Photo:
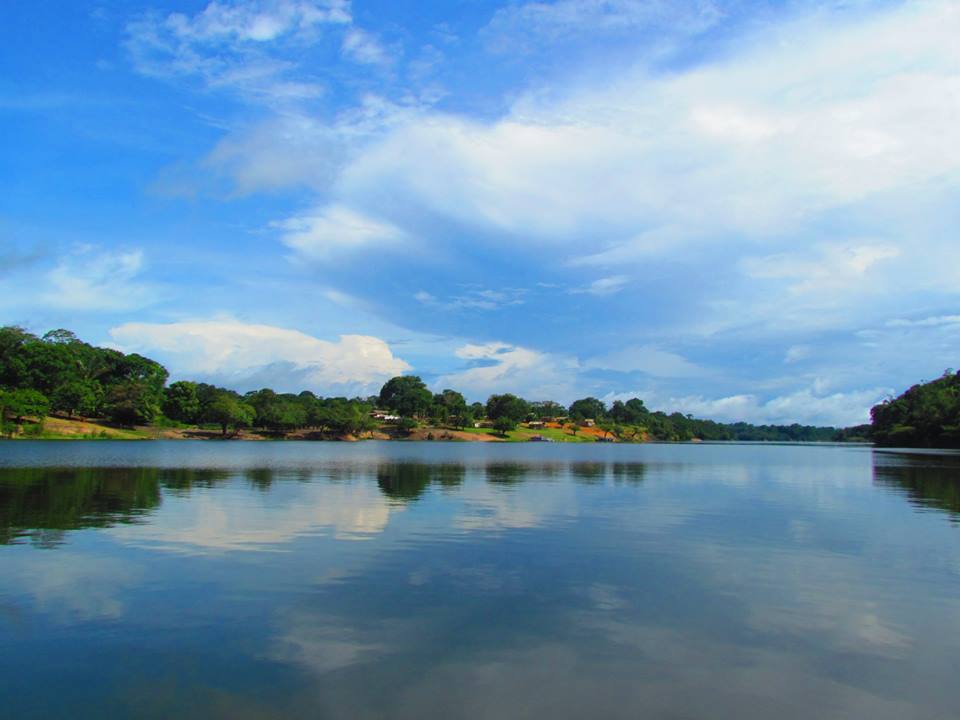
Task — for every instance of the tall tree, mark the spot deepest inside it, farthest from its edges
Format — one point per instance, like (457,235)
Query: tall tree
(406,395)
(588,408)
(509,406)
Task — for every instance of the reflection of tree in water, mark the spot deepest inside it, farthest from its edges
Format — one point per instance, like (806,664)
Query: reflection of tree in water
(260,478)
(408,480)
(588,472)
(507,473)
(928,480)
(450,475)
(44,503)
(185,479)
(629,472)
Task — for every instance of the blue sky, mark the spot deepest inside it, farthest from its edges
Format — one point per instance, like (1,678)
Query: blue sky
(739,210)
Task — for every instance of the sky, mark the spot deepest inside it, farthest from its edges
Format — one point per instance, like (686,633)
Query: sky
(739,210)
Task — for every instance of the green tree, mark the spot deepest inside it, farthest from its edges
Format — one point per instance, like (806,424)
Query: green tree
(132,402)
(406,395)
(465,419)
(14,371)
(406,425)
(77,397)
(588,408)
(227,410)
(504,424)
(448,406)
(22,403)
(547,409)
(181,402)
(509,406)
(925,415)
(278,413)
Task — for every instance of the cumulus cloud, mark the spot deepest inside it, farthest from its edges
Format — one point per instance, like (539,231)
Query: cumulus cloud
(500,367)
(245,355)
(777,180)
(831,115)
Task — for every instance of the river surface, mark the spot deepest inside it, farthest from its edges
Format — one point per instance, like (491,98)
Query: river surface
(467,580)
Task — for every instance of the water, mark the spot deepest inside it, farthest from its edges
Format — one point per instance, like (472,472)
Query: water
(413,580)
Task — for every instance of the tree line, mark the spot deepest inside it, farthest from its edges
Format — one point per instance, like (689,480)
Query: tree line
(60,374)
(925,415)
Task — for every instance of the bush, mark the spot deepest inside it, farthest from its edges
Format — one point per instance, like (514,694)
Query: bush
(504,424)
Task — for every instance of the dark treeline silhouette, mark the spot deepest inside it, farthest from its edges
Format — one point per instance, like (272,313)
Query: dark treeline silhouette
(62,375)
(927,480)
(926,415)
(43,503)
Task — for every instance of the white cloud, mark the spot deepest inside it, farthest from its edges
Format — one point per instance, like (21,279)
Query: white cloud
(474,299)
(237,353)
(830,267)
(219,522)
(522,26)
(256,20)
(89,280)
(819,116)
(233,44)
(322,644)
(935,321)
(333,228)
(648,359)
(807,406)
(363,47)
(71,586)
(508,368)
(604,286)
(796,353)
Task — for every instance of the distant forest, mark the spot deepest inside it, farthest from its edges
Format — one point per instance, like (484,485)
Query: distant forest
(58,374)
(926,415)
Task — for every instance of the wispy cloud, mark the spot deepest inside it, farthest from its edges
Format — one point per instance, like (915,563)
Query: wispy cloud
(326,231)
(364,47)
(604,286)
(235,45)
(474,299)
(647,359)
(526,26)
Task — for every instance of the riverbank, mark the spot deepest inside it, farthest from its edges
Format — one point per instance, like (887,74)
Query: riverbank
(58,428)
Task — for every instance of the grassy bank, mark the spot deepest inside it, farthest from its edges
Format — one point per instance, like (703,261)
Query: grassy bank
(56,428)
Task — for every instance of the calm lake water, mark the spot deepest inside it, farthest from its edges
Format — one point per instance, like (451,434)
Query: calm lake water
(419,580)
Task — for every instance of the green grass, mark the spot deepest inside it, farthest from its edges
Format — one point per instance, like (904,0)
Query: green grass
(523,434)
(112,434)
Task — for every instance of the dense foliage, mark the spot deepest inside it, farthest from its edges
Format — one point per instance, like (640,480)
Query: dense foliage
(60,374)
(926,415)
